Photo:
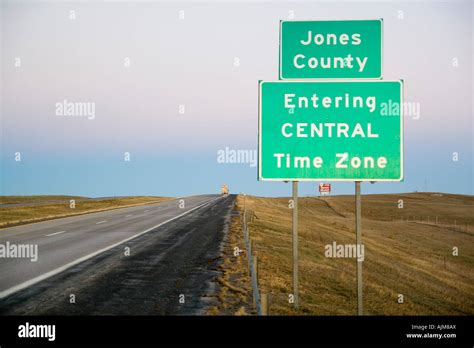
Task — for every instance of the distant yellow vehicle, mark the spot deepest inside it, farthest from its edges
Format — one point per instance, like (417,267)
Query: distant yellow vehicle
(225,190)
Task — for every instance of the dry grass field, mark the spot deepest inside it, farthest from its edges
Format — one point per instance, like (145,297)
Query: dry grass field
(36,199)
(18,214)
(408,251)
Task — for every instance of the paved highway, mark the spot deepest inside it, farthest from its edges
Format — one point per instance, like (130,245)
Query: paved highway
(81,243)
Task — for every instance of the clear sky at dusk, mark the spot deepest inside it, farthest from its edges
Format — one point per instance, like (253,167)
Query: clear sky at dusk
(174,83)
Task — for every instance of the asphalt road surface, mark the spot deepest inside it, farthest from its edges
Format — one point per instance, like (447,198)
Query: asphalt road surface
(152,259)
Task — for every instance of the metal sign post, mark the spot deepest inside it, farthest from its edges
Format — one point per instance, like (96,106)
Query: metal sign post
(295,243)
(358,218)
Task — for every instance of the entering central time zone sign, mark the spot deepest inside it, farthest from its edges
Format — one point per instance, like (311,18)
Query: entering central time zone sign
(325,130)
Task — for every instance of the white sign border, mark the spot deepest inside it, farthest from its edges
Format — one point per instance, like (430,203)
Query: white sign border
(261,178)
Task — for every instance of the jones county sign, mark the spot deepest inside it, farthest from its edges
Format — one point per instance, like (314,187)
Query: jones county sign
(331,49)
(341,131)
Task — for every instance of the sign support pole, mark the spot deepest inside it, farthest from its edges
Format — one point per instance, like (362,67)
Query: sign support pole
(295,244)
(358,219)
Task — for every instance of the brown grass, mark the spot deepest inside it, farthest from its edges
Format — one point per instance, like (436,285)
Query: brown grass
(18,215)
(413,258)
(36,199)
(235,293)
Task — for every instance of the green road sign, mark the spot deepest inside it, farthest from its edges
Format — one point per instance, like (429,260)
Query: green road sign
(325,130)
(331,49)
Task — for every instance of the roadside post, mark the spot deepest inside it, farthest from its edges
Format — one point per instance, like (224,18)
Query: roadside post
(358,217)
(295,244)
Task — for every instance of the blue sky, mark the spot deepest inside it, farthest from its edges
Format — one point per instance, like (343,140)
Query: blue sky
(188,64)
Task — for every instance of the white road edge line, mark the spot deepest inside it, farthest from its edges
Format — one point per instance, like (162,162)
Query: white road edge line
(55,233)
(100,222)
(46,275)
(128,215)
